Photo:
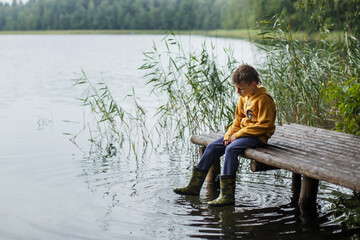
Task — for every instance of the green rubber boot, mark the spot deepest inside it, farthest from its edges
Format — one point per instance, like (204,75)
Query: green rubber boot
(227,191)
(196,181)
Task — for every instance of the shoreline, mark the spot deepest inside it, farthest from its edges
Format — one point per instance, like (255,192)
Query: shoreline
(237,34)
(220,33)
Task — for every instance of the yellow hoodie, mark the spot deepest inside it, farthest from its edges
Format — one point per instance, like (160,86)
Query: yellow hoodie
(254,116)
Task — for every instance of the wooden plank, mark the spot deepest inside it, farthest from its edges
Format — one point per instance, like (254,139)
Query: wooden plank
(331,166)
(334,142)
(283,158)
(317,131)
(333,145)
(326,136)
(318,150)
(300,141)
(319,154)
(307,168)
(201,140)
(330,138)
(256,166)
(338,160)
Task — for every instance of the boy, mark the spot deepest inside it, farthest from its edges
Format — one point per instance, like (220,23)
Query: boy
(253,125)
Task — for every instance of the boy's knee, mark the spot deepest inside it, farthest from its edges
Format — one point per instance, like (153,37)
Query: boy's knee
(233,150)
(229,149)
(210,147)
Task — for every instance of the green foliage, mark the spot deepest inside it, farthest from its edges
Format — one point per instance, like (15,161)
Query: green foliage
(200,95)
(325,15)
(313,83)
(347,210)
(294,75)
(111,14)
(344,88)
(346,99)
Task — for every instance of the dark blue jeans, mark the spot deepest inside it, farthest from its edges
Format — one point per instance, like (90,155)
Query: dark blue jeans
(216,149)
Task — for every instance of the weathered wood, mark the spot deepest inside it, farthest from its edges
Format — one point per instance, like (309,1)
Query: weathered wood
(292,146)
(326,163)
(317,133)
(309,189)
(296,182)
(336,147)
(202,140)
(313,161)
(295,187)
(333,146)
(302,141)
(258,167)
(330,161)
(313,152)
(310,168)
(326,142)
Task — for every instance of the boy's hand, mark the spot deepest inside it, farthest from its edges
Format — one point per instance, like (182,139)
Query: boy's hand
(231,139)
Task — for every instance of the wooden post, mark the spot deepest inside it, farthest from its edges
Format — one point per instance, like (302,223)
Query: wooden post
(256,166)
(308,193)
(295,187)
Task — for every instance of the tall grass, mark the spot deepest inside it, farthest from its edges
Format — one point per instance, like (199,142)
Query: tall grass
(110,126)
(199,92)
(314,83)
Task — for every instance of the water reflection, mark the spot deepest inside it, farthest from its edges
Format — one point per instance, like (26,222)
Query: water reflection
(246,221)
(266,206)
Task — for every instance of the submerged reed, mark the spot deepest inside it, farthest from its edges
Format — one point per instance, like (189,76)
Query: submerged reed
(110,126)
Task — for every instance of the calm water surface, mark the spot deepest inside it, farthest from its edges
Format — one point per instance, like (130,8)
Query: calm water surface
(52,188)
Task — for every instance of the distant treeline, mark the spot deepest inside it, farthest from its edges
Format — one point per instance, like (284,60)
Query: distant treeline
(170,14)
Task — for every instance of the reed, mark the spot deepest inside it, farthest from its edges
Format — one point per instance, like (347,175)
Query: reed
(109,125)
(199,92)
(314,83)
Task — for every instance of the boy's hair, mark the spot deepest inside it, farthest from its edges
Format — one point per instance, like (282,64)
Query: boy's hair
(247,74)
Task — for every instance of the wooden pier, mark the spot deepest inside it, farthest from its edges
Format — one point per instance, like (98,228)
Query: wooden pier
(313,153)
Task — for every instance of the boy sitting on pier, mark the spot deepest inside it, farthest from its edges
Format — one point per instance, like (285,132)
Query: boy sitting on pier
(253,125)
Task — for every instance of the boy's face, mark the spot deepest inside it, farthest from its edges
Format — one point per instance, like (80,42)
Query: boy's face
(244,89)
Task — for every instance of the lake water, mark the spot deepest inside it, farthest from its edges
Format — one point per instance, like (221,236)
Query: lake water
(53,188)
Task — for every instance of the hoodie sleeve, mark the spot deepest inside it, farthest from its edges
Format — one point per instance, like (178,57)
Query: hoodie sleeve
(235,127)
(265,119)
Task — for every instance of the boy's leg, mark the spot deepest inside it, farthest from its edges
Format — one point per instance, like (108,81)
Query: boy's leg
(236,148)
(231,164)
(212,153)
